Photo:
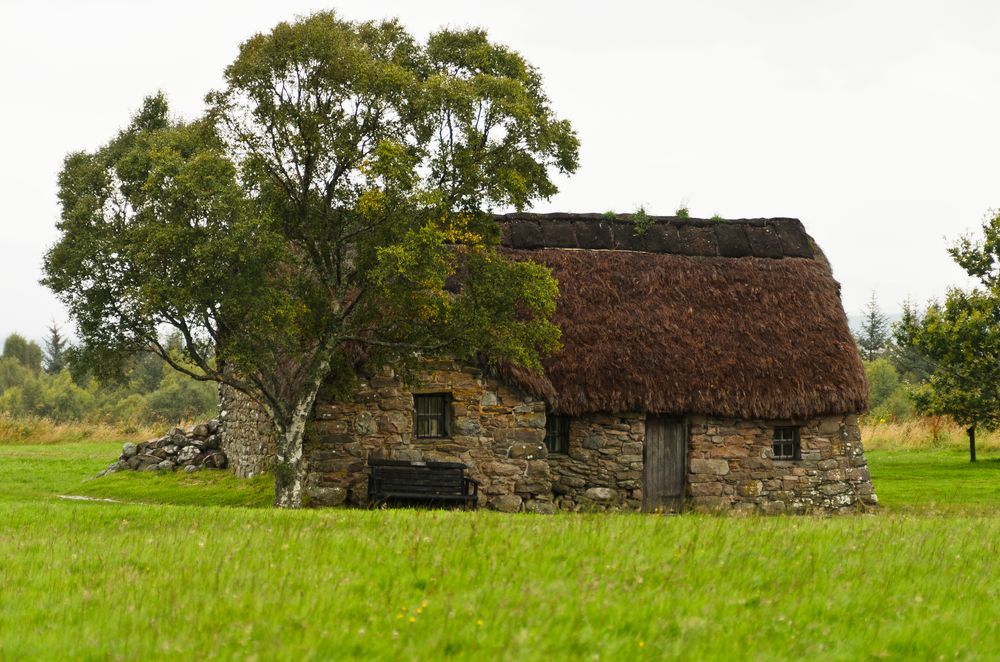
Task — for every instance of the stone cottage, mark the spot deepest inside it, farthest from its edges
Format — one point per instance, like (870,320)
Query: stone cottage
(705,364)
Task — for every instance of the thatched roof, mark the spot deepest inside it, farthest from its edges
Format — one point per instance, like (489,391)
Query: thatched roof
(730,318)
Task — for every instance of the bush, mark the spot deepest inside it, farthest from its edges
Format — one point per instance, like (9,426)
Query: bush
(180,398)
(12,373)
(149,393)
(888,398)
(897,406)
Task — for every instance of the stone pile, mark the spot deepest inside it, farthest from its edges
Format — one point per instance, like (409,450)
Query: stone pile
(194,449)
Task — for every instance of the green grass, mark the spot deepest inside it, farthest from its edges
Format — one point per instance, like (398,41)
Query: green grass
(931,481)
(47,471)
(169,578)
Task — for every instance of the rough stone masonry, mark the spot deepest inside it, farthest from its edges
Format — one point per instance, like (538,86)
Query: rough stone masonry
(498,433)
(190,450)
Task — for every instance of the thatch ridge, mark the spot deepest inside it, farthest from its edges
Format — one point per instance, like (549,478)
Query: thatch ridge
(757,237)
(652,331)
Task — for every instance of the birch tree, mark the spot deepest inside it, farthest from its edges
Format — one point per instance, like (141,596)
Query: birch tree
(331,207)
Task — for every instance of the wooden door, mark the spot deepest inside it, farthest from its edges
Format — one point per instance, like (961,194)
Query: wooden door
(664,476)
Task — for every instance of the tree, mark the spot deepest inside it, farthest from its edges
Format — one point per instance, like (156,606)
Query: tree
(55,350)
(873,338)
(912,366)
(332,207)
(962,337)
(961,340)
(12,373)
(26,352)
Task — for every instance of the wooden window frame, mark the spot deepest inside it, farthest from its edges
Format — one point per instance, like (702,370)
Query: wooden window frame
(445,415)
(783,442)
(557,429)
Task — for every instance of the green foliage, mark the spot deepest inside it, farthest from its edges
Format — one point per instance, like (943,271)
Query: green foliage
(610,215)
(682,212)
(641,220)
(962,337)
(875,334)
(13,373)
(55,351)
(717,218)
(343,174)
(56,398)
(911,364)
(898,406)
(342,177)
(25,352)
(146,394)
(882,381)
(179,398)
(980,255)
(888,398)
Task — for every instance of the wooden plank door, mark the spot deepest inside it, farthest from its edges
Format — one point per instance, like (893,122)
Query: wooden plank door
(664,476)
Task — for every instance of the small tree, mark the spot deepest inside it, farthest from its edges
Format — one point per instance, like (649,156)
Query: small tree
(961,340)
(962,337)
(55,350)
(874,335)
(343,177)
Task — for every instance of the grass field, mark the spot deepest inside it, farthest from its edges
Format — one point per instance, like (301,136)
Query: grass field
(193,566)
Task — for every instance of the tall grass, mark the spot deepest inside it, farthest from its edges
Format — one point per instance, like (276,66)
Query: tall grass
(178,577)
(39,430)
(116,581)
(934,432)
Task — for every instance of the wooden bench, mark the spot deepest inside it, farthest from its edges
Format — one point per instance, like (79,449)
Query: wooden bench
(428,483)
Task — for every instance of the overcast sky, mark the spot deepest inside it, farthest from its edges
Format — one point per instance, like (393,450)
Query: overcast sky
(876,123)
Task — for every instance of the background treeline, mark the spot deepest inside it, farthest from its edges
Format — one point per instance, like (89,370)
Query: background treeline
(893,367)
(39,381)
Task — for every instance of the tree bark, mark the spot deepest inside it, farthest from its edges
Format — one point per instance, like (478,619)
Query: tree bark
(972,443)
(289,472)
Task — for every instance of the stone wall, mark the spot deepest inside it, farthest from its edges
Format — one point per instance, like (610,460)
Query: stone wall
(497,432)
(247,435)
(191,450)
(602,469)
(731,466)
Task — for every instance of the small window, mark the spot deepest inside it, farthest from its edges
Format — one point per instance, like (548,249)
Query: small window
(557,433)
(785,443)
(432,415)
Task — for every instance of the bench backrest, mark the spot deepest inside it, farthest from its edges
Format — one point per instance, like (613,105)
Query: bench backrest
(420,479)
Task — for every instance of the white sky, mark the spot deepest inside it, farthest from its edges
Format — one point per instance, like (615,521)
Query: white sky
(876,123)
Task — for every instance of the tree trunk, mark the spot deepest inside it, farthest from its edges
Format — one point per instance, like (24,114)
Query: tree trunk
(972,443)
(289,472)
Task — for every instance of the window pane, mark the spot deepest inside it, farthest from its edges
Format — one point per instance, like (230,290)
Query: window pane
(431,415)
(430,404)
(784,442)
(556,433)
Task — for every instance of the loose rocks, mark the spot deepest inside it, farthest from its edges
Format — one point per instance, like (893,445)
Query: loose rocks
(194,449)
